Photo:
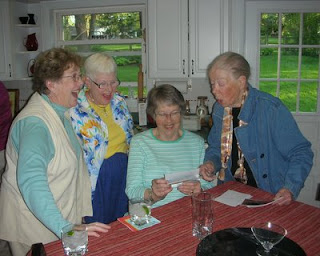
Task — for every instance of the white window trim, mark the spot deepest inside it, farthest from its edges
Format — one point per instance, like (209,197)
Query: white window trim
(136,8)
(252,31)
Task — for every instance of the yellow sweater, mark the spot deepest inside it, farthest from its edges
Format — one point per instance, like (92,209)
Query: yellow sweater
(117,137)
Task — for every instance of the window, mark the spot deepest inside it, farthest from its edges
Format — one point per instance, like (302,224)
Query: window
(119,31)
(289,58)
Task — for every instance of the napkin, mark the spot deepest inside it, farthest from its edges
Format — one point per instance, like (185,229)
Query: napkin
(232,198)
(133,227)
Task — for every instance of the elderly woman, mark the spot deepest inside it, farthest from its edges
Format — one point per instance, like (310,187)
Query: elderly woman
(254,138)
(45,186)
(104,125)
(165,149)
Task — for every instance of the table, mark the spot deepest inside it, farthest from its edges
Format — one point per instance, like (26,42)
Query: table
(173,235)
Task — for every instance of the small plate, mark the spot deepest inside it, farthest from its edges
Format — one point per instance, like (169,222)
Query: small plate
(241,242)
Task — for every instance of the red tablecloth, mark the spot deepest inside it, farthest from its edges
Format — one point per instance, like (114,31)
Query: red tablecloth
(173,235)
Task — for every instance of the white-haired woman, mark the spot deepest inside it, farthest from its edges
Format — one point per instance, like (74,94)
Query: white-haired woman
(104,125)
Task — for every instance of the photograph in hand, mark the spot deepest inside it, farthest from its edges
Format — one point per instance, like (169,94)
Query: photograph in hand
(178,177)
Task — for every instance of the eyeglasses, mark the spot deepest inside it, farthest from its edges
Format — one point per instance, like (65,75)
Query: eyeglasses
(75,77)
(102,85)
(173,115)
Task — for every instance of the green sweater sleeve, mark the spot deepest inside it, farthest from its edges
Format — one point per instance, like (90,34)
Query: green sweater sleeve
(34,145)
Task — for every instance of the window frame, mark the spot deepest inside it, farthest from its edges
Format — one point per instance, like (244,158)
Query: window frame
(252,45)
(58,31)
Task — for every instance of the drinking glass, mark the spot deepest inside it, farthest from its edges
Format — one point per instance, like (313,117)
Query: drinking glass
(140,210)
(268,234)
(74,240)
(202,214)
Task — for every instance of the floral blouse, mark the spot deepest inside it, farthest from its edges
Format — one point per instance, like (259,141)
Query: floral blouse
(93,132)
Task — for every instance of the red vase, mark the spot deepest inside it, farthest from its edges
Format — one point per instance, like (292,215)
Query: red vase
(31,43)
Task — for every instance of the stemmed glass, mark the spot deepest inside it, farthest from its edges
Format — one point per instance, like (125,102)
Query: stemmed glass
(268,234)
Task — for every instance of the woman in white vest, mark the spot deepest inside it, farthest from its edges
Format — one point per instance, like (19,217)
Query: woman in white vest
(45,185)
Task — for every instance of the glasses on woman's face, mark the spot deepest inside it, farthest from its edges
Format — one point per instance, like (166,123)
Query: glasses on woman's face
(75,77)
(105,84)
(174,115)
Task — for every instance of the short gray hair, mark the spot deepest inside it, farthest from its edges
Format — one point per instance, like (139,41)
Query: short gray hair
(165,93)
(233,62)
(99,63)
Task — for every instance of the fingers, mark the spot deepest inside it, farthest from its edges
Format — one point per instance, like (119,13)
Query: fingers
(283,197)
(96,227)
(190,187)
(161,187)
(207,171)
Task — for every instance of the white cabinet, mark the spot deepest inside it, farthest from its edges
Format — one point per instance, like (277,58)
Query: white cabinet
(184,36)
(205,34)
(5,42)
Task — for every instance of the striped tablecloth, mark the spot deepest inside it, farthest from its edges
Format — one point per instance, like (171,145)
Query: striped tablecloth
(173,235)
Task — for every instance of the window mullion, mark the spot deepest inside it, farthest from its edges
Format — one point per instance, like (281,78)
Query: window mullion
(279,53)
(299,63)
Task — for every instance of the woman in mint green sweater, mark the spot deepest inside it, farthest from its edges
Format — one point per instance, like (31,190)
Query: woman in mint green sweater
(166,149)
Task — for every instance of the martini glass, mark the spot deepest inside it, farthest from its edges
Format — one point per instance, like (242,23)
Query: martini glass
(268,234)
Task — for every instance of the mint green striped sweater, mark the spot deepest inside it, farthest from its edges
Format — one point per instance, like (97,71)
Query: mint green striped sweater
(150,158)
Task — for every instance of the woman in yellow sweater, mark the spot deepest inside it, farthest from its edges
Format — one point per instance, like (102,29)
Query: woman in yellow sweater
(104,125)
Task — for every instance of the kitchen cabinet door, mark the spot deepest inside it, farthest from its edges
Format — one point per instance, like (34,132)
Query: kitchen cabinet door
(168,38)
(184,36)
(205,33)
(5,42)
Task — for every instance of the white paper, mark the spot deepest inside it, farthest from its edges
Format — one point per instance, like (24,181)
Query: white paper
(178,177)
(232,198)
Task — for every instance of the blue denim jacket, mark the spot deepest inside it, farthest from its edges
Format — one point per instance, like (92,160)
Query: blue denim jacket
(274,147)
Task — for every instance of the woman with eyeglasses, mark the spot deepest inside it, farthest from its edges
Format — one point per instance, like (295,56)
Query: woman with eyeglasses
(163,150)
(46,186)
(104,126)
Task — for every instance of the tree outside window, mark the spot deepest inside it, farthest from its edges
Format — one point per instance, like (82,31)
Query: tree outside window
(289,58)
(117,31)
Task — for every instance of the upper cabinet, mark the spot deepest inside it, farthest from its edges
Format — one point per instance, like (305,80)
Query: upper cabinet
(5,42)
(184,36)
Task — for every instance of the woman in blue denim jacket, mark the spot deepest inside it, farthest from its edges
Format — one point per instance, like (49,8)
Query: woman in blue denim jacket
(254,138)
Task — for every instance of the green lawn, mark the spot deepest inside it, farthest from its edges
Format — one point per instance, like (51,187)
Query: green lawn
(128,68)
(288,90)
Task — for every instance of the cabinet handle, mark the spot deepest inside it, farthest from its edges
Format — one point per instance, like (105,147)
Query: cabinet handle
(192,67)
(183,67)
(9,70)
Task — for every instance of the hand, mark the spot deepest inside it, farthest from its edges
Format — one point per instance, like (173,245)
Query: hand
(94,228)
(190,187)
(207,171)
(160,188)
(283,197)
